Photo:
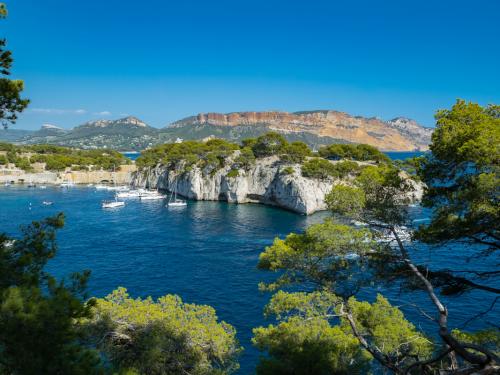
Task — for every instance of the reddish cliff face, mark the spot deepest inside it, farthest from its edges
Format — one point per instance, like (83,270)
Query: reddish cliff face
(399,134)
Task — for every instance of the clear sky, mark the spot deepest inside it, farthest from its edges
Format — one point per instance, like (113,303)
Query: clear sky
(165,60)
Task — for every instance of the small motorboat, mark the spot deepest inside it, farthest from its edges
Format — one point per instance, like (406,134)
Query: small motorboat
(177,203)
(113,204)
(117,188)
(101,187)
(43,187)
(151,197)
(47,203)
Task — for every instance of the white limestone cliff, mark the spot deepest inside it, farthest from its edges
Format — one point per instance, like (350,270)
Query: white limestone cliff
(265,182)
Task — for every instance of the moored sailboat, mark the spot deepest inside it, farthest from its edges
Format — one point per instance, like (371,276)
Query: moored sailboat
(173,200)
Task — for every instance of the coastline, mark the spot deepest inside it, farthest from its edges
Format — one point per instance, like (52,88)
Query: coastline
(20,177)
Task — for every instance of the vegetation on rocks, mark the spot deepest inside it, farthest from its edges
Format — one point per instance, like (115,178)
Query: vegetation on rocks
(57,158)
(217,153)
(359,152)
(323,169)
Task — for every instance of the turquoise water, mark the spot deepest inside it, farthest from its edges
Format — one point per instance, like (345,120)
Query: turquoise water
(401,155)
(206,253)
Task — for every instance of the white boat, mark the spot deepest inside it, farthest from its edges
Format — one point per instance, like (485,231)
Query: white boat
(116,203)
(131,193)
(117,188)
(47,203)
(177,203)
(90,185)
(113,204)
(101,187)
(6,184)
(43,187)
(174,201)
(66,184)
(151,197)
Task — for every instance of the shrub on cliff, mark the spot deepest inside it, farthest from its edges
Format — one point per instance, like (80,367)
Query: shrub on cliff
(295,152)
(57,158)
(210,155)
(269,144)
(359,152)
(233,173)
(319,168)
(347,167)
(288,170)
(245,159)
(24,164)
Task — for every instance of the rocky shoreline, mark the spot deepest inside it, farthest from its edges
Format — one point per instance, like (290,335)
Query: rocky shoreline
(18,176)
(267,182)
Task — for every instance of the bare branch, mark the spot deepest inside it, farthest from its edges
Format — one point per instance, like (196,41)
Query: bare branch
(481,313)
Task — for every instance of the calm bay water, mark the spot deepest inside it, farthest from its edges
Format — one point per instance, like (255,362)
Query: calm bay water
(206,253)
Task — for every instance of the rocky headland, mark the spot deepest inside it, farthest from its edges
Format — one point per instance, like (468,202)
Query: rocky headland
(268,181)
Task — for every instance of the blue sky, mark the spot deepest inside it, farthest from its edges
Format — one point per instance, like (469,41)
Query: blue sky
(164,60)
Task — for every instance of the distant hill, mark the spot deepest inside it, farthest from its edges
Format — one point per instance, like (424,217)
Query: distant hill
(399,134)
(127,133)
(316,128)
(13,135)
(193,131)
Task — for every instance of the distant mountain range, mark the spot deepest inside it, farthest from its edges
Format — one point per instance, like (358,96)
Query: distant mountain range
(316,128)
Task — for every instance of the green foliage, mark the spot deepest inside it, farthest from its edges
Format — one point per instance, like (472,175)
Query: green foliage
(37,313)
(323,169)
(313,335)
(347,167)
(387,193)
(233,173)
(166,336)
(245,159)
(385,327)
(359,152)
(209,155)
(347,200)
(488,338)
(411,166)
(379,193)
(6,146)
(3,160)
(304,341)
(23,163)
(303,347)
(288,170)
(318,168)
(463,176)
(58,158)
(11,102)
(249,142)
(325,246)
(269,144)
(295,152)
